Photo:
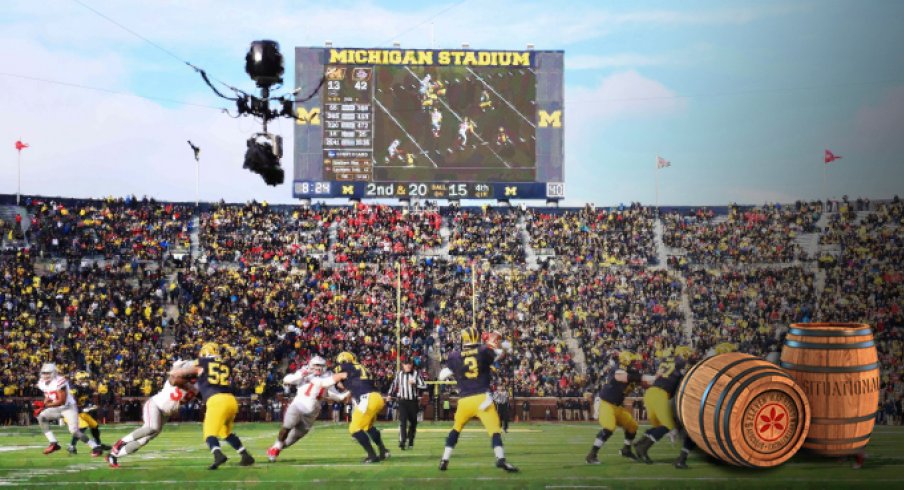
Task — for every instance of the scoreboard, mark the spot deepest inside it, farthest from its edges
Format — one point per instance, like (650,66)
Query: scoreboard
(436,124)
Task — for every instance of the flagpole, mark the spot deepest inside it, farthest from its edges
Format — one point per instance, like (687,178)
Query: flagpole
(198,183)
(657,188)
(18,176)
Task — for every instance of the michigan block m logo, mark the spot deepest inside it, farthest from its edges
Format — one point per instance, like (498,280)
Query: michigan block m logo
(305,116)
(547,119)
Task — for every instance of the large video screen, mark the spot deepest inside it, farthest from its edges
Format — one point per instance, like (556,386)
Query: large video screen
(437,124)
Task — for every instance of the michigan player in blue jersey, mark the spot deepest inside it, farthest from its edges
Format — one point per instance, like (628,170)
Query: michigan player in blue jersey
(619,379)
(368,403)
(215,387)
(658,401)
(472,368)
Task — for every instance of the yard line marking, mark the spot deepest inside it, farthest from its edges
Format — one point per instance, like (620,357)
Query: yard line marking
(502,98)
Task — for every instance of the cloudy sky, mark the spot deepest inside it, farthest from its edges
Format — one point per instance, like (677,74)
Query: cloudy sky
(742,97)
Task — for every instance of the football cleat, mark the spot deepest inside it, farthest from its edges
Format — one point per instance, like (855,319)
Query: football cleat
(443,464)
(97,452)
(71,450)
(106,447)
(384,454)
(272,453)
(592,459)
(52,448)
(502,463)
(218,459)
(643,447)
(681,464)
(626,452)
(247,459)
(859,459)
(112,461)
(116,447)
(402,447)
(371,460)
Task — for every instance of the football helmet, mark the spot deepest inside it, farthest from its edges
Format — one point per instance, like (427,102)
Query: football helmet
(48,371)
(317,364)
(210,349)
(469,336)
(346,357)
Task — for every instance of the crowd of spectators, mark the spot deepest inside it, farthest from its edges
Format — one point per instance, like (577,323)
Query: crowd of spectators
(750,308)
(256,233)
(279,284)
(618,236)
(629,309)
(746,236)
(126,228)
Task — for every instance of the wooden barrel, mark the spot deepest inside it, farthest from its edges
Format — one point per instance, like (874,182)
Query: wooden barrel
(743,410)
(837,366)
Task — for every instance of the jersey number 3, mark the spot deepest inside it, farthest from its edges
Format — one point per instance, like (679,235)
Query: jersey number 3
(218,374)
(472,371)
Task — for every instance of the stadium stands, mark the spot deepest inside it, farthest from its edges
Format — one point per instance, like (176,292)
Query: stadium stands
(86,285)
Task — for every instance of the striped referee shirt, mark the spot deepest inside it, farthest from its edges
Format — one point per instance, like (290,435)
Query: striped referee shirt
(402,387)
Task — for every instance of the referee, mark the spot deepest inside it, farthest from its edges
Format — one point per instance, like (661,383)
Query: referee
(404,388)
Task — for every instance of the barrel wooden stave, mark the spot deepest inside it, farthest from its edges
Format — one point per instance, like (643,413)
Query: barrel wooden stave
(718,403)
(844,404)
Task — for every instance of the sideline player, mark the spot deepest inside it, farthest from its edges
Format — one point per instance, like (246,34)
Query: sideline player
(619,380)
(311,383)
(84,395)
(157,409)
(215,386)
(368,403)
(657,400)
(471,367)
(59,403)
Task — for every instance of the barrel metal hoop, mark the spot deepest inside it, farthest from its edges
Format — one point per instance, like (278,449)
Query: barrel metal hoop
(848,420)
(726,421)
(829,333)
(832,442)
(811,345)
(709,388)
(830,369)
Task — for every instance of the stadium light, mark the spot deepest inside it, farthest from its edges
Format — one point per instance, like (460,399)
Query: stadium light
(530,46)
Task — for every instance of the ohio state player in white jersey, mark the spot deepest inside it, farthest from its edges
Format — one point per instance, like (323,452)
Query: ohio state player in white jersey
(157,409)
(59,402)
(312,385)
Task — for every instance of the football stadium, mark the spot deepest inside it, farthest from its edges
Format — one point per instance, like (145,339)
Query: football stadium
(562,257)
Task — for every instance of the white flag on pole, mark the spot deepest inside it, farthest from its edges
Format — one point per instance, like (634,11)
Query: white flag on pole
(662,162)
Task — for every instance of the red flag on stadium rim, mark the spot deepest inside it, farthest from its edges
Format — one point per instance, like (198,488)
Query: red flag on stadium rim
(662,162)
(831,157)
(20,145)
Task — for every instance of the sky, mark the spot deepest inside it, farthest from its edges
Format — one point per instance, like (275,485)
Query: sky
(742,97)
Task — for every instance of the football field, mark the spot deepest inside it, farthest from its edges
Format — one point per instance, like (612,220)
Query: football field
(549,455)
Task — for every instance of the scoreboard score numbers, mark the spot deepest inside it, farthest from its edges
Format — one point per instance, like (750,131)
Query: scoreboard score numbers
(433,124)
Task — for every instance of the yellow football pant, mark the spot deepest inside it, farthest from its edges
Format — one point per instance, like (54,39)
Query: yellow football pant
(659,410)
(364,420)
(469,408)
(220,415)
(611,416)
(85,421)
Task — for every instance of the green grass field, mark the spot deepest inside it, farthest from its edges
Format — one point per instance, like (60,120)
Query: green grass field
(549,455)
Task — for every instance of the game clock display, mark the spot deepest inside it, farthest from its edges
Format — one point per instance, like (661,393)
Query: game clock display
(439,124)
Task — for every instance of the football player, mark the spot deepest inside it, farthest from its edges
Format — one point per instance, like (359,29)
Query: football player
(619,380)
(660,410)
(436,119)
(215,387)
(84,397)
(368,403)
(471,366)
(486,103)
(157,409)
(59,403)
(466,126)
(393,151)
(502,137)
(312,384)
